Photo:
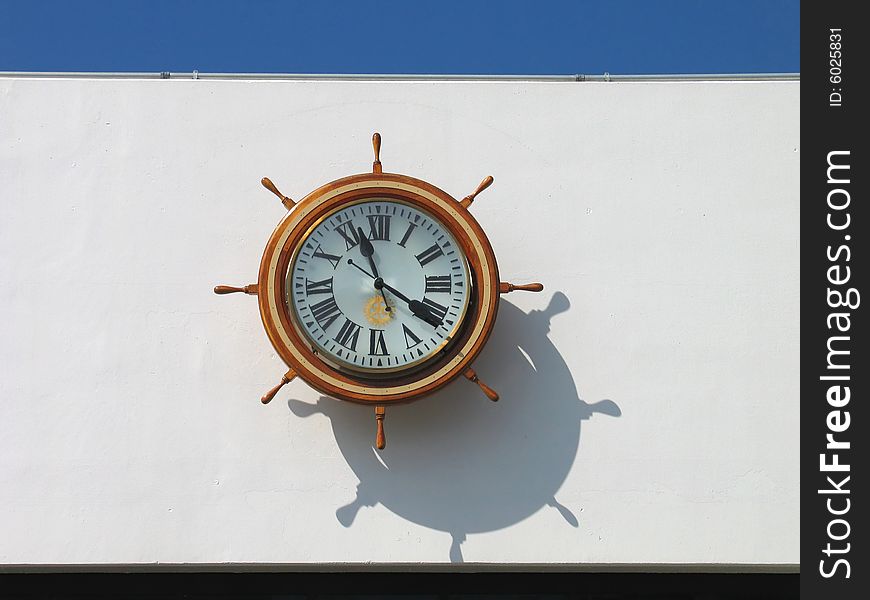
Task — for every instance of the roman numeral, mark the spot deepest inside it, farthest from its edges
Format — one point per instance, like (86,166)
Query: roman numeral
(377,345)
(405,237)
(380,226)
(325,312)
(436,309)
(319,287)
(348,334)
(332,258)
(411,340)
(438,283)
(429,254)
(349,233)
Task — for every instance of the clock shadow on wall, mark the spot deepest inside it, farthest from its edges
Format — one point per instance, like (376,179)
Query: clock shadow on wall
(461,464)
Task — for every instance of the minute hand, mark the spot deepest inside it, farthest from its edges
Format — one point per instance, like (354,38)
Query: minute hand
(367,250)
(419,309)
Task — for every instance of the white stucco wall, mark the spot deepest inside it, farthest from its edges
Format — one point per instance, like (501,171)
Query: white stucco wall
(662,218)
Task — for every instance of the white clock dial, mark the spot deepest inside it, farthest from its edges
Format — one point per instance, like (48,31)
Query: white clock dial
(333,287)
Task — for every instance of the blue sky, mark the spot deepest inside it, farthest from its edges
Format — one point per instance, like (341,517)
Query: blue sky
(370,36)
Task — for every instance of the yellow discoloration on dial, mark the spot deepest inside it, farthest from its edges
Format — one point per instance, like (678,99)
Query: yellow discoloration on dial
(376,312)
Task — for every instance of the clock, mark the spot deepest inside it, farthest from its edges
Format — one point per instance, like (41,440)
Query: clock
(378,288)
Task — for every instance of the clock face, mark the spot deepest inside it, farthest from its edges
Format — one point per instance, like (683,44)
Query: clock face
(378,286)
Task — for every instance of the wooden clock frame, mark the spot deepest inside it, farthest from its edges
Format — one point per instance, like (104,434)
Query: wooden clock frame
(302,358)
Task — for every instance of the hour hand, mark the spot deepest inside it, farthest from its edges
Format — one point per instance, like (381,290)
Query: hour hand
(419,309)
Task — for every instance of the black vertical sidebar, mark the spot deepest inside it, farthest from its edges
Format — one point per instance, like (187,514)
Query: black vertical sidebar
(835,224)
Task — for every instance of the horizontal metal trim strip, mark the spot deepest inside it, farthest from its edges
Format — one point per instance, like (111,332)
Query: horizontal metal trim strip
(405,77)
(771,568)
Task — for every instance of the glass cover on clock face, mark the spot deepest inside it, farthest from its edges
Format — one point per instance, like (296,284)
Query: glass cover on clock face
(379,286)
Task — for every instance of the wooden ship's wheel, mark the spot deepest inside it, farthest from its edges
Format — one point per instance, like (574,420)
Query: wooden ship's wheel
(378,288)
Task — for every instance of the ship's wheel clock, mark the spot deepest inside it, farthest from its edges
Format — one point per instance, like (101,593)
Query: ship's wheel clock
(378,289)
